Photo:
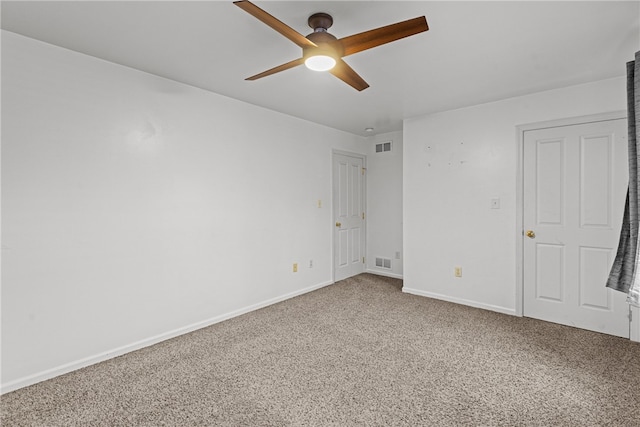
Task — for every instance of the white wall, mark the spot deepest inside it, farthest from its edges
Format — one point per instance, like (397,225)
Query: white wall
(455,162)
(136,208)
(384,204)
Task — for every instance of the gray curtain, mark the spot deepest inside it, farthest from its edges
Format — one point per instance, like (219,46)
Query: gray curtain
(623,276)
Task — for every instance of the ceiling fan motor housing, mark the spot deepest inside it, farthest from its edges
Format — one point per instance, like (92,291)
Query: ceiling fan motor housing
(327,43)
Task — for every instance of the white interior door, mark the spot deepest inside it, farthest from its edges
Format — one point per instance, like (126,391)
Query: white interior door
(575,181)
(348,213)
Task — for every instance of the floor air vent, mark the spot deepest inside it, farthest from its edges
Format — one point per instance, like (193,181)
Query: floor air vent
(383,262)
(383,147)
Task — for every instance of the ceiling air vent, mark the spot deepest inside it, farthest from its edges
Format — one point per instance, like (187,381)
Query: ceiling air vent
(383,147)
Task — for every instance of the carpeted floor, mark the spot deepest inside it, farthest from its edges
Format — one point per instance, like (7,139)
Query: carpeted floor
(359,352)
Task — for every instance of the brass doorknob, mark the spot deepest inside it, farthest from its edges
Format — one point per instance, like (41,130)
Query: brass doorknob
(338,224)
(531,234)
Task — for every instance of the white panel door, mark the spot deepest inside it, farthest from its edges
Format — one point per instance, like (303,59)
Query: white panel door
(575,182)
(348,213)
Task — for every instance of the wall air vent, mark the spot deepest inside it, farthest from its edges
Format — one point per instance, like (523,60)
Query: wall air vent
(383,147)
(383,262)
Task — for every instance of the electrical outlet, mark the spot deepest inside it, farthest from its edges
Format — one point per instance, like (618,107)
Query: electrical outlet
(457,271)
(310,263)
(319,203)
(295,267)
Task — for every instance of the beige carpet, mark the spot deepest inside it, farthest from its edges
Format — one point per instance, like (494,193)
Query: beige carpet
(359,352)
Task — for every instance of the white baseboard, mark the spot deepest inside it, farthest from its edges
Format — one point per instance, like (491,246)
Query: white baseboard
(384,273)
(510,311)
(110,354)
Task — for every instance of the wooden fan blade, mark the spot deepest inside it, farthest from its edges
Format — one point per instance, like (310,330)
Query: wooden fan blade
(275,23)
(344,72)
(277,69)
(372,38)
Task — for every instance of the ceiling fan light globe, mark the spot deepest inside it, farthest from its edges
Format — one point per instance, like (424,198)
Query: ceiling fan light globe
(320,63)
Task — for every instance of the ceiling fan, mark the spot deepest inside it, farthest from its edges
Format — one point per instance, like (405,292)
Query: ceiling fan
(322,51)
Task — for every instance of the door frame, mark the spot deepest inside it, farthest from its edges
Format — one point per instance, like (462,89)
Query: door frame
(520,130)
(335,151)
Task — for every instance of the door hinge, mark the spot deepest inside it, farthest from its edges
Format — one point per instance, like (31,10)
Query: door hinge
(363,260)
(363,169)
(362,215)
(630,315)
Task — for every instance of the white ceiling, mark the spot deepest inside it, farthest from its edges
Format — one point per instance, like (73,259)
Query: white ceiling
(474,52)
